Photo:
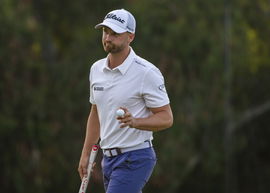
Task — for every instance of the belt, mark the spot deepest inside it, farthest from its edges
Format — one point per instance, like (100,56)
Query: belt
(111,152)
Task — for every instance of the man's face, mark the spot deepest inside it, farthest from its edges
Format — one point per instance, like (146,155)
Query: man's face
(114,42)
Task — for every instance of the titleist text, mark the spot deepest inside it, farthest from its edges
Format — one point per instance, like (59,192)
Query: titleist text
(113,16)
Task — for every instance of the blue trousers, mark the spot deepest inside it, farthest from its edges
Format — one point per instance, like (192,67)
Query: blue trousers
(128,172)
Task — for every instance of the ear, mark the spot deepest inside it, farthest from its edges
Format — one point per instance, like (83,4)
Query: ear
(131,37)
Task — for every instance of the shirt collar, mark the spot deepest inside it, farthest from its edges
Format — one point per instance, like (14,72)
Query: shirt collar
(125,65)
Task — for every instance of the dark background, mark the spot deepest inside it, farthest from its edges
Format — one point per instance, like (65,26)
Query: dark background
(214,55)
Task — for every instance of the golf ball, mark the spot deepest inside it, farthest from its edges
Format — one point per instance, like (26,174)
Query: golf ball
(120,112)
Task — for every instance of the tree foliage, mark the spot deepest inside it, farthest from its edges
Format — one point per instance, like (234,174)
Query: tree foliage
(216,75)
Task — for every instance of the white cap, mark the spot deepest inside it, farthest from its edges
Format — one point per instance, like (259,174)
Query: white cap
(119,21)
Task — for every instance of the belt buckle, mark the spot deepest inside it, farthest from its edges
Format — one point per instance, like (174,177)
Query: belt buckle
(112,150)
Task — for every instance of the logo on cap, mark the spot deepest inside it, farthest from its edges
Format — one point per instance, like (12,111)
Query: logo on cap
(113,16)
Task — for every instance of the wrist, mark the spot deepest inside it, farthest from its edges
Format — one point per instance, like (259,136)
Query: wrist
(86,152)
(135,123)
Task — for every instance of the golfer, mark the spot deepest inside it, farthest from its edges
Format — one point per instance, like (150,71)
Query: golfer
(123,80)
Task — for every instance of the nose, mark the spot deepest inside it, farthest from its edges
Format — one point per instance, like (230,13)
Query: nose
(107,37)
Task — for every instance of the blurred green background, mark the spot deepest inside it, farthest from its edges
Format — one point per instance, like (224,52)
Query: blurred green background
(214,55)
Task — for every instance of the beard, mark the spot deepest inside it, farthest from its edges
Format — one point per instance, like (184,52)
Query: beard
(112,48)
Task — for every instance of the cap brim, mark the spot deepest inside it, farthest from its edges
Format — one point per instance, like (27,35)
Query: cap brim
(112,26)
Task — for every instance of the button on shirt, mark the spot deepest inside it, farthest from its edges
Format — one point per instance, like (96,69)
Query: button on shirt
(137,85)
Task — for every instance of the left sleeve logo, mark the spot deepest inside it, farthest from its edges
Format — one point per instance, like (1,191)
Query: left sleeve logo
(162,88)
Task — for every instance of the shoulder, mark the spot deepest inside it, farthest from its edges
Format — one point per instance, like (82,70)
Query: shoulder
(96,67)
(144,64)
(98,64)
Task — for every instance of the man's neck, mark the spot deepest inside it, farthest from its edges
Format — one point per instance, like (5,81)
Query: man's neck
(115,59)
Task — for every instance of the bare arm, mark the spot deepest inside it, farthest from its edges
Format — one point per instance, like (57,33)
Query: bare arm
(161,118)
(91,138)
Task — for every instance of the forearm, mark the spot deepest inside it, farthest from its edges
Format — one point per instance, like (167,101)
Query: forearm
(92,131)
(156,122)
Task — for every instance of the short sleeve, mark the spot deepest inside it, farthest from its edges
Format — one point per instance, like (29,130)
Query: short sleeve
(91,97)
(153,89)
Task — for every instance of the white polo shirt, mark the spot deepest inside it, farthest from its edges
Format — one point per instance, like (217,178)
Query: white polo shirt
(136,84)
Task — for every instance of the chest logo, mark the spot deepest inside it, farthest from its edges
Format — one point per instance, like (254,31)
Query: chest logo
(98,88)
